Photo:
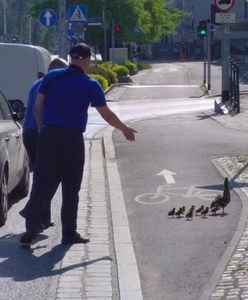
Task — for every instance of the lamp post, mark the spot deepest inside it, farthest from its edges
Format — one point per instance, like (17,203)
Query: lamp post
(4,18)
(62,29)
(104,29)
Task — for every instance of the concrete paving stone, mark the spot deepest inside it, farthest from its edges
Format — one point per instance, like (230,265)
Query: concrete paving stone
(69,295)
(98,273)
(74,253)
(99,298)
(69,290)
(70,285)
(99,288)
(90,283)
(99,294)
(70,278)
(82,298)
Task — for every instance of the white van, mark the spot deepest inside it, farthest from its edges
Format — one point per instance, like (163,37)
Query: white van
(20,66)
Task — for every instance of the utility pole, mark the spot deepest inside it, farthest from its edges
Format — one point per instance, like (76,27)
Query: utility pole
(62,30)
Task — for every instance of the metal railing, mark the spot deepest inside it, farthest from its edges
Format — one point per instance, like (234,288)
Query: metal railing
(234,99)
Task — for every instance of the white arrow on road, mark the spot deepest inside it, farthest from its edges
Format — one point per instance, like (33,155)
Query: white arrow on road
(48,17)
(167,176)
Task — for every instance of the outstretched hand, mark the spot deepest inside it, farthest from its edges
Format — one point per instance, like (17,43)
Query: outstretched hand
(129,133)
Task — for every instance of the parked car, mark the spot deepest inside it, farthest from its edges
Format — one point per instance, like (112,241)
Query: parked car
(14,169)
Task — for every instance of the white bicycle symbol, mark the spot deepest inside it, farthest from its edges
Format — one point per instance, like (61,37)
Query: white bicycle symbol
(164,192)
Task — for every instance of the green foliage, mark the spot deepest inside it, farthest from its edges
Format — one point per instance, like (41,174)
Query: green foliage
(143,66)
(102,81)
(105,71)
(121,71)
(132,67)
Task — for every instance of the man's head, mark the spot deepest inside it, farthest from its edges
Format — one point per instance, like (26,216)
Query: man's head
(57,63)
(80,56)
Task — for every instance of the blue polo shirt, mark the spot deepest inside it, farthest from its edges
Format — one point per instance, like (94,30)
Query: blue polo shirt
(69,93)
(29,119)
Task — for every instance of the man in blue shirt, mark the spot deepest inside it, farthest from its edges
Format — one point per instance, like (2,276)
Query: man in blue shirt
(61,114)
(30,134)
(30,130)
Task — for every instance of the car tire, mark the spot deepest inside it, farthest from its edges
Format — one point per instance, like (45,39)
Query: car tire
(3,200)
(22,189)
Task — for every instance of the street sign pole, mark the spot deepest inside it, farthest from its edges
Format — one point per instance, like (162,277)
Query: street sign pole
(205,61)
(225,66)
(209,54)
(62,30)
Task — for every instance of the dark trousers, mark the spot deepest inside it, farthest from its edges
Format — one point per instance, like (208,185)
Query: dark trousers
(30,137)
(59,151)
(30,142)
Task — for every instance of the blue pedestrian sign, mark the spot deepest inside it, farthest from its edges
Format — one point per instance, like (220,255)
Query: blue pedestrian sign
(48,17)
(78,13)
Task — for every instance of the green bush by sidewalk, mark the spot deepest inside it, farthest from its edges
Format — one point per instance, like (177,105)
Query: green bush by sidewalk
(102,81)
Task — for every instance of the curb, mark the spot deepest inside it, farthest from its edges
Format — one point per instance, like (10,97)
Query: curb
(128,275)
(211,284)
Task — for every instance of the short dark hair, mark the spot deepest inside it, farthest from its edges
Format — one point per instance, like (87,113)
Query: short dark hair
(80,51)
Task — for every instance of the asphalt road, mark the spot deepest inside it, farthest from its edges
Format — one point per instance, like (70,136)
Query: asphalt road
(175,257)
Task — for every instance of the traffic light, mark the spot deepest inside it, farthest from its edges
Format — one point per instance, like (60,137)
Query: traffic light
(117,29)
(202,29)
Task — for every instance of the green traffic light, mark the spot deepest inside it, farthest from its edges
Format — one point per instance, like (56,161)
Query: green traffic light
(203,32)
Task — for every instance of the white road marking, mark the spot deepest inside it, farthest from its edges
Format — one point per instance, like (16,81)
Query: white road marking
(172,69)
(167,176)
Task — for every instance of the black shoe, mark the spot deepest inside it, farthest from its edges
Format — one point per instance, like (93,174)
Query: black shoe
(48,224)
(75,239)
(27,238)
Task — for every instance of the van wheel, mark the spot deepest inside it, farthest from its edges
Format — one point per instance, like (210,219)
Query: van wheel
(3,200)
(22,189)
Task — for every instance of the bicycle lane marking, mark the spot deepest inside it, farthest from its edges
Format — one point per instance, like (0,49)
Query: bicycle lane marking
(164,193)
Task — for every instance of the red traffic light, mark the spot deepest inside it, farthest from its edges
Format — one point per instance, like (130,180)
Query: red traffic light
(117,29)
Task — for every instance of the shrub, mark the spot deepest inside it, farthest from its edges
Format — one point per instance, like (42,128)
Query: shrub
(121,71)
(102,81)
(132,67)
(142,66)
(103,70)
(108,73)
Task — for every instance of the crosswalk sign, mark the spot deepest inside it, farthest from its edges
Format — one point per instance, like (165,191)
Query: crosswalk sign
(78,13)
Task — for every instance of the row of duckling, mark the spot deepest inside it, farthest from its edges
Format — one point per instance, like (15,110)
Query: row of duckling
(189,214)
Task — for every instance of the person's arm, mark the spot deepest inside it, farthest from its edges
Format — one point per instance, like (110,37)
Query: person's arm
(111,118)
(38,108)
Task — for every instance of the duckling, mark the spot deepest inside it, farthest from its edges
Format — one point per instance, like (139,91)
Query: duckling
(171,213)
(204,212)
(179,212)
(189,214)
(199,210)
(214,209)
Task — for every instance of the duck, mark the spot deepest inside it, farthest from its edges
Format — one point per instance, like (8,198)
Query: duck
(221,201)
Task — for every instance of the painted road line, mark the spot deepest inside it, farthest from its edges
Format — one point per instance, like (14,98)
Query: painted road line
(162,85)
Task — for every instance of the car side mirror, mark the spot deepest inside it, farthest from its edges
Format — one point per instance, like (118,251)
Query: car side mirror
(18,109)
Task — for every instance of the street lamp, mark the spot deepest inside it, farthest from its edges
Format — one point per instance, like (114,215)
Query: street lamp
(4,18)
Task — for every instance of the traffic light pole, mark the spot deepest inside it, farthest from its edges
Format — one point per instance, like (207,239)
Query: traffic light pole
(225,65)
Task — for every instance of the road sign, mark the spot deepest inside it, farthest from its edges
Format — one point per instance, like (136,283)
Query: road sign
(224,5)
(225,18)
(78,13)
(48,17)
